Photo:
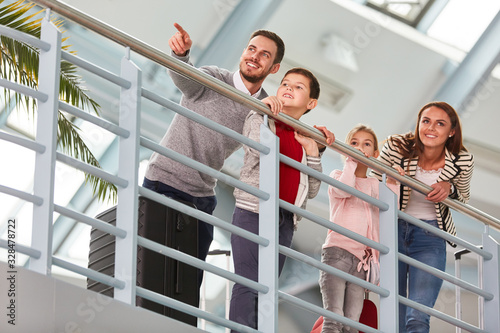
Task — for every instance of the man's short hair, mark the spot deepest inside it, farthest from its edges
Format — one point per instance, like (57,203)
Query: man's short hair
(276,39)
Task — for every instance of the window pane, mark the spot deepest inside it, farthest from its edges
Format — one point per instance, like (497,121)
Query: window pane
(462,22)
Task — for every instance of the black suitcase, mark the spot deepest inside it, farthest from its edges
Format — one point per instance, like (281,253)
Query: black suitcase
(155,271)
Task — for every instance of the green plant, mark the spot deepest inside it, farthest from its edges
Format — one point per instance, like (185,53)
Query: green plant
(19,63)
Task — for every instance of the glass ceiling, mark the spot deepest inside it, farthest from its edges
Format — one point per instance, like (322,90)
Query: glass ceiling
(408,11)
(462,22)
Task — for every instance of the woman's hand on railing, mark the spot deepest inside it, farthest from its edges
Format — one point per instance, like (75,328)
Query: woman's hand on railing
(440,192)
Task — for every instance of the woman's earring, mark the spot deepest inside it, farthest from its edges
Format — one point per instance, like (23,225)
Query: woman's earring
(450,136)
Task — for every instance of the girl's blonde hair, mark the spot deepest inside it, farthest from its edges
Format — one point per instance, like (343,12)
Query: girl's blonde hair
(364,128)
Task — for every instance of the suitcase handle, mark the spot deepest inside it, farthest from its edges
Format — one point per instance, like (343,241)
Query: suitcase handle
(178,275)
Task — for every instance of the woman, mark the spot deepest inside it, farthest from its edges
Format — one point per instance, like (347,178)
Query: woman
(434,155)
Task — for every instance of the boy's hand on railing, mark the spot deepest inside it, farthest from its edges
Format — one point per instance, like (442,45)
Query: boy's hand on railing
(310,146)
(274,103)
(329,136)
(180,42)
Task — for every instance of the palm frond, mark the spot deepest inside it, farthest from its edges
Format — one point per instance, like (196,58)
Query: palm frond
(14,16)
(71,88)
(19,63)
(71,143)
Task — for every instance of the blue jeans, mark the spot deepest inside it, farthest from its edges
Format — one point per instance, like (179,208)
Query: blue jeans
(244,300)
(339,296)
(415,284)
(205,204)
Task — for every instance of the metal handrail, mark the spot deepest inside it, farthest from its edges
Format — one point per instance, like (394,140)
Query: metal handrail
(289,252)
(161,58)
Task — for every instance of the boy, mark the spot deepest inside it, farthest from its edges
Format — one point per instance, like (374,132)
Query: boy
(297,94)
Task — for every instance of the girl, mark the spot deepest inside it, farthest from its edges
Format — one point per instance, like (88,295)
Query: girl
(349,211)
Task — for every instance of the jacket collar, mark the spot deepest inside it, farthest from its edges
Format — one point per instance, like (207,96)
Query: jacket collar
(449,166)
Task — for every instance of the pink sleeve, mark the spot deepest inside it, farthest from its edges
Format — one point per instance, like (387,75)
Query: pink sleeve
(345,176)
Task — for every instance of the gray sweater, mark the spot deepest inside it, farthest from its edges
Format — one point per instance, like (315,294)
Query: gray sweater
(249,174)
(196,141)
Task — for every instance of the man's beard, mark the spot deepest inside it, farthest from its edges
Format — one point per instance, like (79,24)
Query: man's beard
(254,78)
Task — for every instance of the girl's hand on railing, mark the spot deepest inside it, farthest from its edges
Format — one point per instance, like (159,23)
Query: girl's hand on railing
(401,172)
(180,42)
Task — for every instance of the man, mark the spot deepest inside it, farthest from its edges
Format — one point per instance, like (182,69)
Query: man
(261,57)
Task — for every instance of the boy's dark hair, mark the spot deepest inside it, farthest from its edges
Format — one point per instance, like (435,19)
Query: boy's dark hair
(276,39)
(313,81)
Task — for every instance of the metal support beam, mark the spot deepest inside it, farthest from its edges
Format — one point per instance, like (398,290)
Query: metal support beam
(43,187)
(431,15)
(491,284)
(474,71)
(268,228)
(126,213)
(389,306)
